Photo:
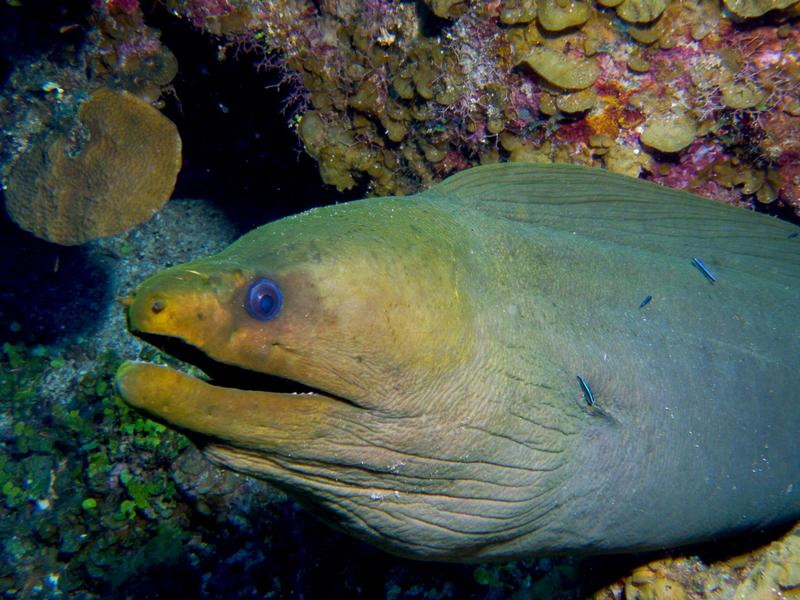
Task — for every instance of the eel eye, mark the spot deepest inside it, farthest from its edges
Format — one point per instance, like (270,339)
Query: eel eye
(264,299)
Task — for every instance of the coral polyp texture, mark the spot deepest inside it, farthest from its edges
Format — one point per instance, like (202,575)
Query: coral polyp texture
(772,571)
(697,94)
(113,169)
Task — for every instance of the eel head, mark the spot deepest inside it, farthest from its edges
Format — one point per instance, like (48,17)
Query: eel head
(334,346)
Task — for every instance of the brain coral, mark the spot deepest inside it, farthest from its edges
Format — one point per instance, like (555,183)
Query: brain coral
(110,172)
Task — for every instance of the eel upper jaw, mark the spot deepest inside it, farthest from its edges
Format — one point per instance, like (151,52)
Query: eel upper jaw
(224,375)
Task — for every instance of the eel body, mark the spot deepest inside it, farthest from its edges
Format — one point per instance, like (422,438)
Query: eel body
(474,372)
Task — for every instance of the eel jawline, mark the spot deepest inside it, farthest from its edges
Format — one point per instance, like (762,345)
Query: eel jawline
(244,418)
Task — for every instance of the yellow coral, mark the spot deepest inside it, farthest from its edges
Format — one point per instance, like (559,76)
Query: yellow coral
(769,572)
(641,11)
(566,72)
(447,9)
(518,11)
(555,15)
(669,132)
(748,9)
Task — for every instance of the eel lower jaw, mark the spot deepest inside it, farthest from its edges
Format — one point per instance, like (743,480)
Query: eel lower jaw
(241,417)
(231,406)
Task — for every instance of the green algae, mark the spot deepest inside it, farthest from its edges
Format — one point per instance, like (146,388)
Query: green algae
(63,507)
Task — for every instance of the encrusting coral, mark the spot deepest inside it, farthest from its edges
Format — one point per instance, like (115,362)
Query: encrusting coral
(112,170)
(770,572)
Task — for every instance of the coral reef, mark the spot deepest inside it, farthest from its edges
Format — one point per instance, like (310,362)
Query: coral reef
(111,171)
(398,96)
(772,571)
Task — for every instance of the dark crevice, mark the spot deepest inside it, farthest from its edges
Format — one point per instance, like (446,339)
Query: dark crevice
(238,148)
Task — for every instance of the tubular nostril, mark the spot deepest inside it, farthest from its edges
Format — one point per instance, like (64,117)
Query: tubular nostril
(157,306)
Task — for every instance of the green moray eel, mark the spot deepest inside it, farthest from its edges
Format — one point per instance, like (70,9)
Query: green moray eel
(471,373)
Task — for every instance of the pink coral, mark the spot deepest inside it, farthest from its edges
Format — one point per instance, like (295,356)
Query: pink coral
(789,173)
(696,158)
(694,172)
(200,10)
(127,7)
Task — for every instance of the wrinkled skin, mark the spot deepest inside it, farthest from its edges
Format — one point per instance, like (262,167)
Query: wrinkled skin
(436,342)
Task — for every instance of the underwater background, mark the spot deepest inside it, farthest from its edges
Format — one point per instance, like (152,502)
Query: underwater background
(243,112)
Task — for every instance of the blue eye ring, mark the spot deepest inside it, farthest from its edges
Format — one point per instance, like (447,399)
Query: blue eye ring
(264,299)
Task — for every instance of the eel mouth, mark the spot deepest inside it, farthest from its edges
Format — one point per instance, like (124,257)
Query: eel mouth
(226,402)
(225,375)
